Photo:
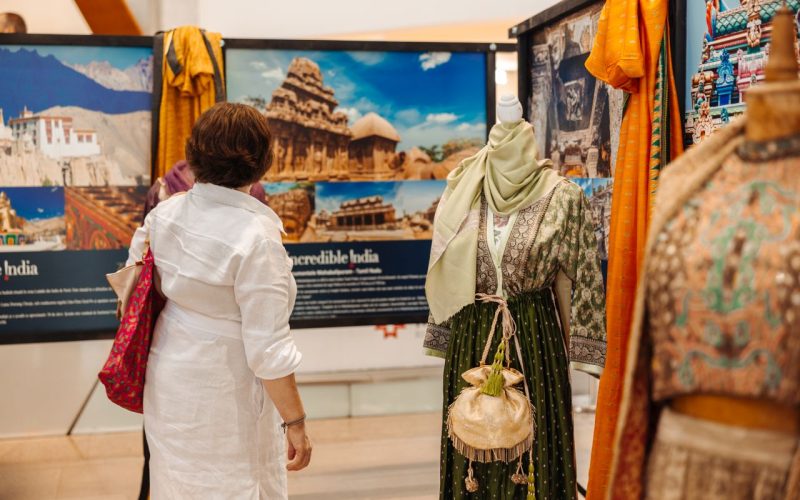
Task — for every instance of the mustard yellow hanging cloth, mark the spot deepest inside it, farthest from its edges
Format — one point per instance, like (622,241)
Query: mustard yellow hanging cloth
(192,82)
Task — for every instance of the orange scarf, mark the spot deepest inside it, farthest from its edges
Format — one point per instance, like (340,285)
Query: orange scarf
(631,52)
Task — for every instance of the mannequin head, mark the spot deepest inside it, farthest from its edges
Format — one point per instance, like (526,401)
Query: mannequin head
(509,109)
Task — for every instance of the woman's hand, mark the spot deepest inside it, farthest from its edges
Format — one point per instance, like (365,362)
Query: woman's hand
(299,447)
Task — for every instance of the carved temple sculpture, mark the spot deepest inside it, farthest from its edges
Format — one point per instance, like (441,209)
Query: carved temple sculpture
(310,139)
(295,209)
(733,58)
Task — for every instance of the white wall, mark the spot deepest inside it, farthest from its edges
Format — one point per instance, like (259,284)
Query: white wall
(317,18)
(48,16)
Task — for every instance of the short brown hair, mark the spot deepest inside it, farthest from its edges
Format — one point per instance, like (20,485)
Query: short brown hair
(230,146)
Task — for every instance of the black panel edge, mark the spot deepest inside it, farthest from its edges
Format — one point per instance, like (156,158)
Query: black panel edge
(678,32)
(524,44)
(557,11)
(274,43)
(89,40)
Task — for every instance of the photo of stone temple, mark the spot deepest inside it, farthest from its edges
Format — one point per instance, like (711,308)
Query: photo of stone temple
(369,211)
(313,141)
(310,138)
(335,116)
(732,44)
(363,214)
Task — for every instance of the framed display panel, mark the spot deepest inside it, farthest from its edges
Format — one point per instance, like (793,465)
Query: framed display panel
(75,140)
(720,49)
(576,117)
(364,135)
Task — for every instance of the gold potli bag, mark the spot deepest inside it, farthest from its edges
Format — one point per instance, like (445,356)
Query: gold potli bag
(491,420)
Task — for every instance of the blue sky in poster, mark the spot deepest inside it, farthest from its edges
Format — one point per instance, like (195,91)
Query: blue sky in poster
(589,185)
(695,31)
(118,57)
(34,203)
(407,197)
(429,98)
(39,77)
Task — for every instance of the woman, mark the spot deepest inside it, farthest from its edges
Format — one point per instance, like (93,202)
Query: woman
(177,180)
(223,337)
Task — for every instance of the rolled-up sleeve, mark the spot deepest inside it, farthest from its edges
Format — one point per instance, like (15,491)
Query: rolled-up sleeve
(136,248)
(265,296)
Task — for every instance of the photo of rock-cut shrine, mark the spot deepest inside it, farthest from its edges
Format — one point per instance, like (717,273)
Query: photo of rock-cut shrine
(356,211)
(372,116)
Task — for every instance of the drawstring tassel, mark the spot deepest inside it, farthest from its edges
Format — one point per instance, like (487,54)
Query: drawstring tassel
(518,477)
(531,486)
(495,381)
(471,483)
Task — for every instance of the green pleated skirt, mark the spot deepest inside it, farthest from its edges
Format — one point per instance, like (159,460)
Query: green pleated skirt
(547,372)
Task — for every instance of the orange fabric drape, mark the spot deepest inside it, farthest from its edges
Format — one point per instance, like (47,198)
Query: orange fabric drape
(627,53)
(188,89)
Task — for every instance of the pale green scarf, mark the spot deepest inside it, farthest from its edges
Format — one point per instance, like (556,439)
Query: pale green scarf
(507,172)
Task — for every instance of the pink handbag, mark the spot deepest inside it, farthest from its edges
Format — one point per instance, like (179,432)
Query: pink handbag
(124,370)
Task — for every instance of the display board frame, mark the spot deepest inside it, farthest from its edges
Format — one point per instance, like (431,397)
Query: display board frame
(524,32)
(46,336)
(578,117)
(489,49)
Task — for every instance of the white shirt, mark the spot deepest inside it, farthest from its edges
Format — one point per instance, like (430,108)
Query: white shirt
(227,278)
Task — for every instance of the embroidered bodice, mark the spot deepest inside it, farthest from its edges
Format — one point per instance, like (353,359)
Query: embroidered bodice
(723,297)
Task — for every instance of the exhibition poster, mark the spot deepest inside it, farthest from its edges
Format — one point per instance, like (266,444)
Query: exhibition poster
(727,46)
(576,117)
(363,141)
(74,171)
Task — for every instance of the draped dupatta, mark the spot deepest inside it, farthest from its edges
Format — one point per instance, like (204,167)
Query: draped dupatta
(631,52)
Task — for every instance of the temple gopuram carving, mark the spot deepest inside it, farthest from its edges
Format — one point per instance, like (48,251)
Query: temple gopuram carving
(363,214)
(101,218)
(12,226)
(734,55)
(310,138)
(294,207)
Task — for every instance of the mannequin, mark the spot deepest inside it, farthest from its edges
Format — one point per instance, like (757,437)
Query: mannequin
(773,113)
(711,402)
(511,233)
(509,111)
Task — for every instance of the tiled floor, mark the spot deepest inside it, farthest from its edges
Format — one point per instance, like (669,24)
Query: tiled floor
(359,458)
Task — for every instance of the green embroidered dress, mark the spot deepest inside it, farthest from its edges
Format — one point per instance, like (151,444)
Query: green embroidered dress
(544,261)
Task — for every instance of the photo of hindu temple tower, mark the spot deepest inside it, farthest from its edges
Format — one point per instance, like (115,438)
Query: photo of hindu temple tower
(310,138)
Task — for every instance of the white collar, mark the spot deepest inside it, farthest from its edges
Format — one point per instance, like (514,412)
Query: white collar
(234,198)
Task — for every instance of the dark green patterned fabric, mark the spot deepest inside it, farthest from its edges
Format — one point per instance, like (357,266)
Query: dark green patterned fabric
(546,369)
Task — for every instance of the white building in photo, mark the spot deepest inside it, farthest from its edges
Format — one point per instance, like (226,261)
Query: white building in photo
(5,132)
(54,136)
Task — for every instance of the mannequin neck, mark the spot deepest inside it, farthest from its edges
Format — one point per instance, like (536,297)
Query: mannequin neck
(773,111)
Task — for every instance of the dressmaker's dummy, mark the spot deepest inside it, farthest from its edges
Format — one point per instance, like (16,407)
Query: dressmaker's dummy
(712,385)
(510,227)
